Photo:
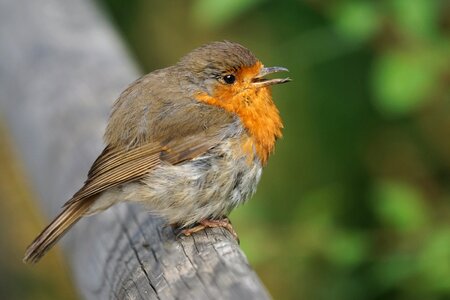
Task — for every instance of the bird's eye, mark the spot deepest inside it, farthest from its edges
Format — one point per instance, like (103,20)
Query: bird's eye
(229,79)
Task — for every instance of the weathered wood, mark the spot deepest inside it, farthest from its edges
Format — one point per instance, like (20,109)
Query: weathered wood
(61,67)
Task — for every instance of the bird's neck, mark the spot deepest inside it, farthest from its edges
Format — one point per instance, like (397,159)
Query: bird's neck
(258,114)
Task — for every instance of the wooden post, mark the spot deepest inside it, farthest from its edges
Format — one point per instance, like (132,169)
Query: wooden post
(61,67)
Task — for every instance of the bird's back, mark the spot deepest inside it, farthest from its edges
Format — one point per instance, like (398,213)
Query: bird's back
(160,107)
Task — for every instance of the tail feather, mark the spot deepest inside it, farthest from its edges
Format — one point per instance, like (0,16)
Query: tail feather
(55,230)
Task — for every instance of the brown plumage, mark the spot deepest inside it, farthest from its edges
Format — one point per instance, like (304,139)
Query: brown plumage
(187,141)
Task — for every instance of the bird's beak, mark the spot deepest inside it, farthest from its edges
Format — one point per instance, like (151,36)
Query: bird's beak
(259,80)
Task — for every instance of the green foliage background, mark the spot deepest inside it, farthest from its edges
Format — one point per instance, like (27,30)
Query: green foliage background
(355,202)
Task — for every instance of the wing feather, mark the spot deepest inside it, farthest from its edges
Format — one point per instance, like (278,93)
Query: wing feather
(118,166)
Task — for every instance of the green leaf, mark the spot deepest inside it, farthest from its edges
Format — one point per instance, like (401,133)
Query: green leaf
(347,248)
(435,260)
(394,270)
(358,21)
(399,206)
(402,81)
(417,17)
(217,13)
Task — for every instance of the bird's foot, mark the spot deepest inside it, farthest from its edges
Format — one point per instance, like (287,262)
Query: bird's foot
(224,223)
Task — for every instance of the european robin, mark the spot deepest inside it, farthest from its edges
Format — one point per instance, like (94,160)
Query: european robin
(188,141)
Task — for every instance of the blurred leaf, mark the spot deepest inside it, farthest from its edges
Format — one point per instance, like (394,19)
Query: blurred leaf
(402,81)
(348,248)
(394,270)
(399,205)
(217,13)
(358,21)
(416,17)
(435,260)
(319,207)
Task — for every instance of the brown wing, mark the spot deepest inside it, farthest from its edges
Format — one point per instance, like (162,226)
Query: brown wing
(114,167)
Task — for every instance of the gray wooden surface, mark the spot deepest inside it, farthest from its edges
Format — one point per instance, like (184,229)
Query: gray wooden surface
(61,67)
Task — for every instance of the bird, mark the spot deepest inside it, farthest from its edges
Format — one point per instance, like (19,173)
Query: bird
(188,142)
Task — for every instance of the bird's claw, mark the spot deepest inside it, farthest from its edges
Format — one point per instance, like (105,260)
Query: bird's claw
(224,223)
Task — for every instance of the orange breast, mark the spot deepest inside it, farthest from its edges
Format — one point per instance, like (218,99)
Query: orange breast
(257,112)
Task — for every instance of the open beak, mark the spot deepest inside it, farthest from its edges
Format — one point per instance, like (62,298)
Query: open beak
(259,80)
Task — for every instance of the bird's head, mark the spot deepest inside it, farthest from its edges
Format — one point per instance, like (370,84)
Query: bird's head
(225,69)
(229,76)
